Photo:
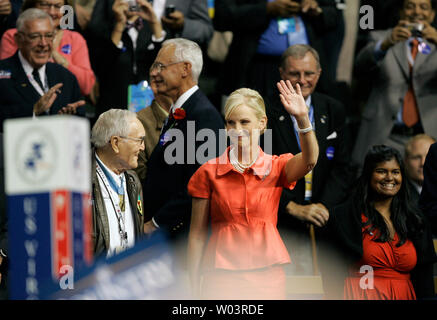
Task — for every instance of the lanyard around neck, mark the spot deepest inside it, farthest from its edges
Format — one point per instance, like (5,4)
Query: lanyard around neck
(111,180)
(115,204)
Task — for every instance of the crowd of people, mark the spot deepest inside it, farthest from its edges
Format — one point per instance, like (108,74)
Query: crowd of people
(357,163)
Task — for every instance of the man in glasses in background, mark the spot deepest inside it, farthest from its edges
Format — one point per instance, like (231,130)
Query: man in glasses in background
(326,184)
(117,138)
(29,84)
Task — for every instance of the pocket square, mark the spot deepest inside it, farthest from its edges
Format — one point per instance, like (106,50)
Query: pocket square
(151,46)
(332,136)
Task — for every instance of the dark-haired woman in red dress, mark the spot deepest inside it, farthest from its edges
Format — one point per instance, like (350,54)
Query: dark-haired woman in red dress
(383,233)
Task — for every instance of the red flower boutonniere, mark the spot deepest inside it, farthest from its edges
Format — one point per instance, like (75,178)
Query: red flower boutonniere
(179,114)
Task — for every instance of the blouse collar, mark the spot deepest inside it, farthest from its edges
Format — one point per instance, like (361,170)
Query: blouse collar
(261,168)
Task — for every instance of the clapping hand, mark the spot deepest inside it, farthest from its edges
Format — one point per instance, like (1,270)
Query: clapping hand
(46,101)
(291,99)
(71,107)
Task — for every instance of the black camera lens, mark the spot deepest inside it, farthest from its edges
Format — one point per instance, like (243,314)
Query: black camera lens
(416,33)
(169,9)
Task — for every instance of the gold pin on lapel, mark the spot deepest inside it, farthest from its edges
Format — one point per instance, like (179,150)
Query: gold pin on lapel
(24,85)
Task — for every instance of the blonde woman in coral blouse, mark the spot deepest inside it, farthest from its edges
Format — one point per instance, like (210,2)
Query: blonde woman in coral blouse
(69,47)
(239,194)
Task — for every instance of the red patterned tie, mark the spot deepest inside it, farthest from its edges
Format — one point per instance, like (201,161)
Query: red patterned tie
(410,113)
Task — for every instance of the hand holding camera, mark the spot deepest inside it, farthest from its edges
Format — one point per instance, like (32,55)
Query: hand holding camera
(120,9)
(283,8)
(5,7)
(415,29)
(429,33)
(146,12)
(132,5)
(311,7)
(173,19)
(399,33)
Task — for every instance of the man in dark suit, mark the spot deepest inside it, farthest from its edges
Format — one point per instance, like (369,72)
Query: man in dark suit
(29,84)
(428,197)
(326,185)
(416,150)
(262,30)
(176,71)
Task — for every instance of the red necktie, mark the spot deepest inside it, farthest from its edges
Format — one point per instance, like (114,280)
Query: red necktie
(410,113)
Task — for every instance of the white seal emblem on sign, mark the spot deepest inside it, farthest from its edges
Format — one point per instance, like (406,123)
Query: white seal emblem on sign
(36,155)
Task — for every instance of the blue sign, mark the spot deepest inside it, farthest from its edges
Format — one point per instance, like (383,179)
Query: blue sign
(140,96)
(49,232)
(145,271)
(29,241)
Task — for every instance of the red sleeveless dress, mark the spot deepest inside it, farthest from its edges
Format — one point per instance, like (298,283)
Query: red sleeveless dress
(391,268)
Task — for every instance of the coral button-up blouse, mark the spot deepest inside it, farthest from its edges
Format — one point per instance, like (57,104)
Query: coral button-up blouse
(243,211)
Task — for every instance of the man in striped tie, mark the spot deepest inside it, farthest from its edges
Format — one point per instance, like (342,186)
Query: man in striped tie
(402,63)
(30,85)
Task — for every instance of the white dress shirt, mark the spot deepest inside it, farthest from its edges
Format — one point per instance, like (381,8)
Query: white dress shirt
(28,69)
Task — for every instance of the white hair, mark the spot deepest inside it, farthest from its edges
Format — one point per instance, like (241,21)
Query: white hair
(114,122)
(30,15)
(189,51)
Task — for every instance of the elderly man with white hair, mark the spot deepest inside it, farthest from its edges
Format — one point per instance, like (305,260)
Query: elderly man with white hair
(30,85)
(117,137)
(176,72)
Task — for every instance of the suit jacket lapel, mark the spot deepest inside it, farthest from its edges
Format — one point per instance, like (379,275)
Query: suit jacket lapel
(130,187)
(99,202)
(177,124)
(421,58)
(52,76)
(190,102)
(320,121)
(187,106)
(400,53)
